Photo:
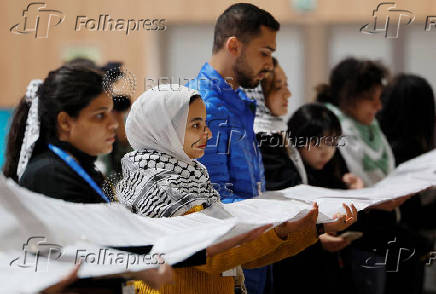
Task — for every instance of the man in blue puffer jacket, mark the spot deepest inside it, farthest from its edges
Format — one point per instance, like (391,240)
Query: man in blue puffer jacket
(244,40)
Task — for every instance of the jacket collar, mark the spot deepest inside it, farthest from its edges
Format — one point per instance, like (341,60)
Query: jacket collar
(85,160)
(235,98)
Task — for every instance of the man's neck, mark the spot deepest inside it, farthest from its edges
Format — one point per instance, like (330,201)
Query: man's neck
(222,65)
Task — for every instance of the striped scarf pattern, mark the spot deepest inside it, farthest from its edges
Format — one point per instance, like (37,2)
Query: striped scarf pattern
(156,184)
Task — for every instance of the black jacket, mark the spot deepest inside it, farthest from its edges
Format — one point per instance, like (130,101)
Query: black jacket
(280,171)
(48,174)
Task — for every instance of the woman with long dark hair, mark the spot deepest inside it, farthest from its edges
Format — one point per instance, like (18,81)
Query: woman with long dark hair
(67,114)
(58,129)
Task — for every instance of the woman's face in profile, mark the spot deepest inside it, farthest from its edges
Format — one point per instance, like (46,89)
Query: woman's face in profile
(197,133)
(366,107)
(277,101)
(93,130)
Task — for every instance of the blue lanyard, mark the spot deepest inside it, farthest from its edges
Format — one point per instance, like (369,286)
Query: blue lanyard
(78,169)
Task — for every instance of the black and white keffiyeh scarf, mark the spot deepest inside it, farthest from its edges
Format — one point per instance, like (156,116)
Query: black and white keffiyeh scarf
(265,121)
(156,184)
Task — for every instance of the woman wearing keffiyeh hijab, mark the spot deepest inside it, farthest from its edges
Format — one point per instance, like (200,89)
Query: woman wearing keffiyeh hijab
(162,178)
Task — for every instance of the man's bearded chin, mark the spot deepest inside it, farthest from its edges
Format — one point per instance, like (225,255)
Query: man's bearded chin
(246,82)
(243,75)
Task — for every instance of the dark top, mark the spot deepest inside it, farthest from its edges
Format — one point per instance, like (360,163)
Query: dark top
(48,174)
(280,171)
(330,176)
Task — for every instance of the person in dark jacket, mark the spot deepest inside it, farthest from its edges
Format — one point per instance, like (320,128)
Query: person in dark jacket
(408,121)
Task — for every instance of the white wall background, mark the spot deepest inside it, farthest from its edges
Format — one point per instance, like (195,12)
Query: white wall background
(187,48)
(290,55)
(347,40)
(420,53)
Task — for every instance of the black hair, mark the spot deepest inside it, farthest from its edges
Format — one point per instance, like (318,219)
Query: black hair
(350,79)
(313,120)
(408,113)
(194,98)
(114,67)
(69,89)
(313,124)
(82,61)
(122,102)
(243,21)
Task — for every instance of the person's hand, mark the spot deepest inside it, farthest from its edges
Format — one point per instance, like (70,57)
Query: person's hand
(332,243)
(238,240)
(155,277)
(64,283)
(343,221)
(391,204)
(305,223)
(352,181)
